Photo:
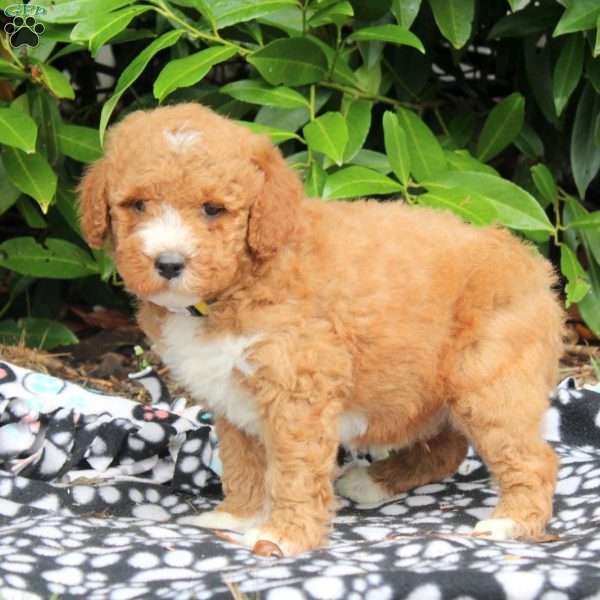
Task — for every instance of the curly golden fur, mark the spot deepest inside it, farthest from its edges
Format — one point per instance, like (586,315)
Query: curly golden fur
(378,324)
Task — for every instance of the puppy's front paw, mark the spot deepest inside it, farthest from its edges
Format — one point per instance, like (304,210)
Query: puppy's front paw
(267,542)
(497,529)
(287,541)
(356,484)
(218,519)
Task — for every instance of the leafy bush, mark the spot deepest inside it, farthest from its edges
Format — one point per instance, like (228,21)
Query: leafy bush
(490,109)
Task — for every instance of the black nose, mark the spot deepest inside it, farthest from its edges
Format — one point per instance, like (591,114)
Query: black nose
(169,264)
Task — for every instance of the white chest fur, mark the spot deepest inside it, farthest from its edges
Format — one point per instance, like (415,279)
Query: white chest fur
(205,365)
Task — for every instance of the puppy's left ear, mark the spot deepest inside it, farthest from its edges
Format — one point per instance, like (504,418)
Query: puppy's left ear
(93,204)
(274,211)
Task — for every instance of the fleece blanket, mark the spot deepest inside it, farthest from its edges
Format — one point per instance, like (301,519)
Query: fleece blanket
(97,492)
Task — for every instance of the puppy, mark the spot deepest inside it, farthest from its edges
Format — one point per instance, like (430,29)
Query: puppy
(366,323)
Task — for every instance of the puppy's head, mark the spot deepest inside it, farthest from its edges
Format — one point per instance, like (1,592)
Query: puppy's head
(189,200)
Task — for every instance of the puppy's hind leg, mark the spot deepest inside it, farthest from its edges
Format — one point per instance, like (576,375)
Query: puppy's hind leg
(503,420)
(403,470)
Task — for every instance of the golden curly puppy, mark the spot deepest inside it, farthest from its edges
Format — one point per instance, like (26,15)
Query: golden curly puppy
(372,324)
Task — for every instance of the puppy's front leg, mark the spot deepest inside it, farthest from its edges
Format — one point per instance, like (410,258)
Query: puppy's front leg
(300,386)
(301,446)
(243,460)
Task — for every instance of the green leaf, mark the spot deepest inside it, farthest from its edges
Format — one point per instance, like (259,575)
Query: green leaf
(17,285)
(501,127)
(567,71)
(462,160)
(358,119)
(68,206)
(284,119)
(80,143)
(337,13)
(105,263)
(100,28)
(369,79)
(298,160)
(287,19)
(56,259)
(8,192)
(17,129)
(545,184)
(56,81)
(589,306)
(294,61)
(461,128)
(230,12)
(10,70)
(133,71)
(328,134)
(396,147)
(589,221)
(315,180)
(44,334)
(469,206)
(32,174)
(574,211)
(579,15)
(394,34)
(454,19)
(256,91)
(127,35)
(42,51)
(43,108)
(516,208)
(370,10)
(290,119)
(342,73)
(585,153)
(592,72)
(31,213)
(354,182)
(372,160)
(534,19)
(406,11)
(529,142)
(75,11)
(277,135)
(427,155)
(516,5)
(538,65)
(187,71)
(596,50)
(577,282)
(203,7)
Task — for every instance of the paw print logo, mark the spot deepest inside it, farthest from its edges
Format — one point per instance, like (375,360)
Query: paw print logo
(24,32)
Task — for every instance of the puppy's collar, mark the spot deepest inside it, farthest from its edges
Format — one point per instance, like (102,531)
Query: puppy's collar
(196,310)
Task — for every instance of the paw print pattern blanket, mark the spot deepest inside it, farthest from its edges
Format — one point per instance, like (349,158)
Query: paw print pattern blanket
(97,494)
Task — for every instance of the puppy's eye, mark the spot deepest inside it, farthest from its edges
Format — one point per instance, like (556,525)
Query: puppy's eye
(138,206)
(212,210)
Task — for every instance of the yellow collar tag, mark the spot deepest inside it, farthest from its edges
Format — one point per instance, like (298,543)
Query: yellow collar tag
(199,310)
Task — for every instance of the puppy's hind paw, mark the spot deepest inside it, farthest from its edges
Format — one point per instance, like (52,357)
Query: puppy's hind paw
(357,485)
(499,530)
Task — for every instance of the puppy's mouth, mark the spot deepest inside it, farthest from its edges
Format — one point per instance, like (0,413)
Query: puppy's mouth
(174,300)
(174,274)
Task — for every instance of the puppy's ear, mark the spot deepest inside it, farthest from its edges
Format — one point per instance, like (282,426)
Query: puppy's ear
(273,213)
(93,204)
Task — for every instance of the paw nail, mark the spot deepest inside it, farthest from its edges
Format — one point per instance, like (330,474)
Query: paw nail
(268,549)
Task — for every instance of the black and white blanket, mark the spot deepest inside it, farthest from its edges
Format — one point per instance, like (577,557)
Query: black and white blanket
(96,494)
